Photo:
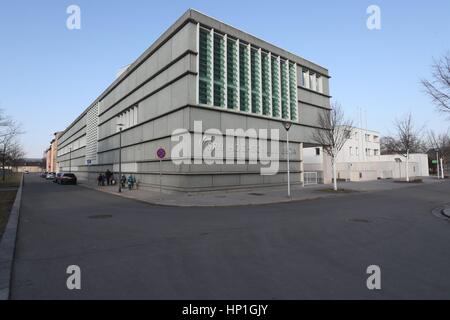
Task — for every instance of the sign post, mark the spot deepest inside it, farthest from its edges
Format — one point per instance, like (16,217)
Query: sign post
(161,154)
(287,126)
(437,164)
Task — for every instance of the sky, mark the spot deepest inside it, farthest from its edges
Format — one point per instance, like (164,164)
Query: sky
(50,74)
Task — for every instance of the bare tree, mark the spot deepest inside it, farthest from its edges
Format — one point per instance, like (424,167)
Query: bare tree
(440,143)
(16,155)
(5,122)
(10,149)
(337,131)
(408,140)
(388,145)
(438,88)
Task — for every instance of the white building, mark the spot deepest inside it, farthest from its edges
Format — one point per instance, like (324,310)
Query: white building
(362,146)
(360,159)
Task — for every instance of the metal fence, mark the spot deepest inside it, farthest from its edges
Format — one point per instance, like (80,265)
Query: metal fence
(310,178)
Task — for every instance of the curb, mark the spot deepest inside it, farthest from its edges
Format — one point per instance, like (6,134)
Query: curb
(316,196)
(8,245)
(171,205)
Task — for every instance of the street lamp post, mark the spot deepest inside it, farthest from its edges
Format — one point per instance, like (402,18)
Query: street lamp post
(287,126)
(70,159)
(120,156)
(437,164)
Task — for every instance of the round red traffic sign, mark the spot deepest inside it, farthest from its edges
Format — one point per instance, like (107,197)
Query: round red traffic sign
(161,153)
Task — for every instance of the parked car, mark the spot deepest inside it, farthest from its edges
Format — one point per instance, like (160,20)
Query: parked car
(44,174)
(57,177)
(67,178)
(50,176)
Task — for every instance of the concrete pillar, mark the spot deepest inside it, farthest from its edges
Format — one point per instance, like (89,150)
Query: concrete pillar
(327,169)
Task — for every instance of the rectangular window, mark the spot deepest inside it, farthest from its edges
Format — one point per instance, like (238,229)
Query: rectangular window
(284,90)
(256,78)
(276,107)
(293,91)
(128,118)
(351,151)
(317,151)
(266,85)
(219,70)
(232,74)
(205,67)
(312,81)
(244,80)
(305,76)
(319,84)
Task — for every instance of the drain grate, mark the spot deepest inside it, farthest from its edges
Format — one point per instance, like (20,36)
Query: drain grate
(101,216)
(256,194)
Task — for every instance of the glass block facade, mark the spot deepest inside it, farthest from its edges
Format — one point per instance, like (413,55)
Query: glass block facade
(244,77)
(232,74)
(219,71)
(285,104)
(266,76)
(239,76)
(205,67)
(276,88)
(293,91)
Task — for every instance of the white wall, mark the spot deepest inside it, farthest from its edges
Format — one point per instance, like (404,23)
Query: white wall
(353,163)
(354,149)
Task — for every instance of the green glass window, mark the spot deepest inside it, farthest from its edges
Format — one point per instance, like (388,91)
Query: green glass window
(244,80)
(205,67)
(256,78)
(293,91)
(284,90)
(232,75)
(275,88)
(219,71)
(266,86)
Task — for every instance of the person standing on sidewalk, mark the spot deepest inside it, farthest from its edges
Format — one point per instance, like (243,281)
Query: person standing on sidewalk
(131,182)
(108,175)
(100,179)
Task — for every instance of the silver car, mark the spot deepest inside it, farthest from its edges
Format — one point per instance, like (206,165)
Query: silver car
(50,176)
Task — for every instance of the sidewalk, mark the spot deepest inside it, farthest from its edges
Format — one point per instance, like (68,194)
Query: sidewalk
(257,196)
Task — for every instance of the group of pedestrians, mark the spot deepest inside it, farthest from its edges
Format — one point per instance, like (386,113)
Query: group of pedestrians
(107,178)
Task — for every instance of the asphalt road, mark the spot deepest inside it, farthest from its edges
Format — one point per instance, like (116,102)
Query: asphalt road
(317,249)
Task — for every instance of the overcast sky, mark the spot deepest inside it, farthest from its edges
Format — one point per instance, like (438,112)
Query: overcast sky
(50,74)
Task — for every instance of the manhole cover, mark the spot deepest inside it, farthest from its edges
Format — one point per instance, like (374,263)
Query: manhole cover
(360,220)
(257,194)
(442,212)
(101,216)
(446,212)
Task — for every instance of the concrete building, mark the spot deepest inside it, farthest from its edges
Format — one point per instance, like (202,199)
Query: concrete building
(363,146)
(200,69)
(360,160)
(51,154)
